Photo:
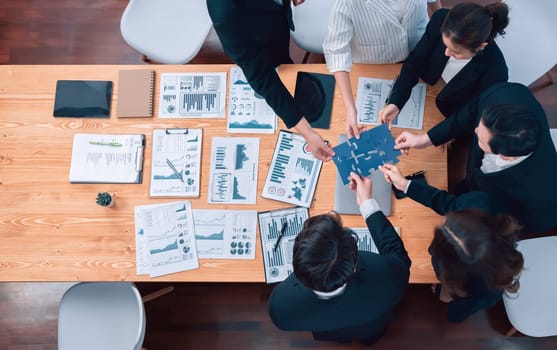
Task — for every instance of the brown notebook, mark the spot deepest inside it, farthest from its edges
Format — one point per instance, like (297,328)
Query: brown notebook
(135,93)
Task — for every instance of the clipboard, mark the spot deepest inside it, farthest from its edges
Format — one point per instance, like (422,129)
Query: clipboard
(107,158)
(176,162)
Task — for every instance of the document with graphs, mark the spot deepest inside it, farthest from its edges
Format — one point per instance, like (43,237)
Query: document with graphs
(278,230)
(293,173)
(192,95)
(234,168)
(165,239)
(372,95)
(225,234)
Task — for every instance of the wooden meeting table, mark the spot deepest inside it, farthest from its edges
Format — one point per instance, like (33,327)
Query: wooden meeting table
(52,230)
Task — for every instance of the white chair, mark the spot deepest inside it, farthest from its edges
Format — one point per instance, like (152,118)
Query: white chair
(527,45)
(166,31)
(533,309)
(311,21)
(103,315)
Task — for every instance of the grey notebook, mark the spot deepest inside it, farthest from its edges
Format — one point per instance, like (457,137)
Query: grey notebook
(345,198)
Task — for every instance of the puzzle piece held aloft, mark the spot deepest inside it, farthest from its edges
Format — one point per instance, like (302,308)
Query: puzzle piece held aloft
(374,148)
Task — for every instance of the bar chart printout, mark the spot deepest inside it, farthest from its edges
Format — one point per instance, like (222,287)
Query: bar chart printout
(293,173)
(192,95)
(277,257)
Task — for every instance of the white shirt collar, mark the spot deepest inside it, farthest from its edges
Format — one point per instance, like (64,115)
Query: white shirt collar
(329,295)
(493,162)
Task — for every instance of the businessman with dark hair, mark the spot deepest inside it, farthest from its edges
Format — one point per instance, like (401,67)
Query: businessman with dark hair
(255,34)
(512,156)
(337,292)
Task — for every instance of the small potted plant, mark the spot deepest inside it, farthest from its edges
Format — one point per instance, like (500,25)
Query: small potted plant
(105,199)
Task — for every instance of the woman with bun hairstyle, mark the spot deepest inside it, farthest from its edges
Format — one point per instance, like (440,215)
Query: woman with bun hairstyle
(458,51)
(475,258)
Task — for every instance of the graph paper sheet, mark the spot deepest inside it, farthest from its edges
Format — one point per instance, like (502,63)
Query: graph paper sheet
(293,173)
(278,262)
(192,95)
(225,234)
(234,168)
(372,94)
(365,241)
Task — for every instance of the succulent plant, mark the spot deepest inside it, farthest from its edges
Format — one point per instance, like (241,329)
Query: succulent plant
(104,199)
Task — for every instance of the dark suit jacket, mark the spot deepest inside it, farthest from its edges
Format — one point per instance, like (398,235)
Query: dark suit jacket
(256,36)
(364,310)
(442,202)
(427,61)
(528,189)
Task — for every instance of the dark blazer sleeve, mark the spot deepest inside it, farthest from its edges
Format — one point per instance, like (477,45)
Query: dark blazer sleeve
(386,239)
(242,27)
(417,63)
(443,202)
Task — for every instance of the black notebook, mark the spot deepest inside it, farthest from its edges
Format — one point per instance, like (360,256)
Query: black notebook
(83,98)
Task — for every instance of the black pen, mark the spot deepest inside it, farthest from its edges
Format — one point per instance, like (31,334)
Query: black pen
(281,234)
(417,173)
(392,89)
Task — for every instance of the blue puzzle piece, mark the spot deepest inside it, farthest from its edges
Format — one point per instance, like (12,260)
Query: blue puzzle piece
(374,148)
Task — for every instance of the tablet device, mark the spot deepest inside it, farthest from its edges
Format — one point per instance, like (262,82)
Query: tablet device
(83,98)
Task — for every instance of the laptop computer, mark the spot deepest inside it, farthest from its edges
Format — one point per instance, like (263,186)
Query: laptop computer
(345,198)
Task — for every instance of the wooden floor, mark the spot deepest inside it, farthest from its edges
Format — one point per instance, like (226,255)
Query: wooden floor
(196,316)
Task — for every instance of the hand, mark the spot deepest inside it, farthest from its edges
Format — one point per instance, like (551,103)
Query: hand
(388,113)
(297,2)
(318,147)
(352,127)
(362,186)
(407,140)
(393,175)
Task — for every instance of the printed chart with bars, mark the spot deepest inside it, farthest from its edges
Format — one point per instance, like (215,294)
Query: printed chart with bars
(293,173)
(365,241)
(234,169)
(198,95)
(278,230)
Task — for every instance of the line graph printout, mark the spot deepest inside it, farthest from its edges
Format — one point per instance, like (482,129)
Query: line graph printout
(176,162)
(234,168)
(278,262)
(192,95)
(372,94)
(293,173)
(225,234)
(164,238)
(247,111)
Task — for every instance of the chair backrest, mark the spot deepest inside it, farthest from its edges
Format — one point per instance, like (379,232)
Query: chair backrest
(101,316)
(529,43)
(166,31)
(533,309)
(311,20)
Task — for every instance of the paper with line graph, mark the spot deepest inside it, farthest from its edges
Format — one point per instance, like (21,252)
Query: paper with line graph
(192,95)
(277,257)
(234,168)
(176,163)
(372,94)
(293,173)
(225,234)
(164,238)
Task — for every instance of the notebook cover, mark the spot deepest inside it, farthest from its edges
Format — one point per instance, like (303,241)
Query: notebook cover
(135,93)
(83,98)
(314,96)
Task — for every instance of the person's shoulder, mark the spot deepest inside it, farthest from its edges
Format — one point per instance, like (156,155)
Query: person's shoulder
(438,17)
